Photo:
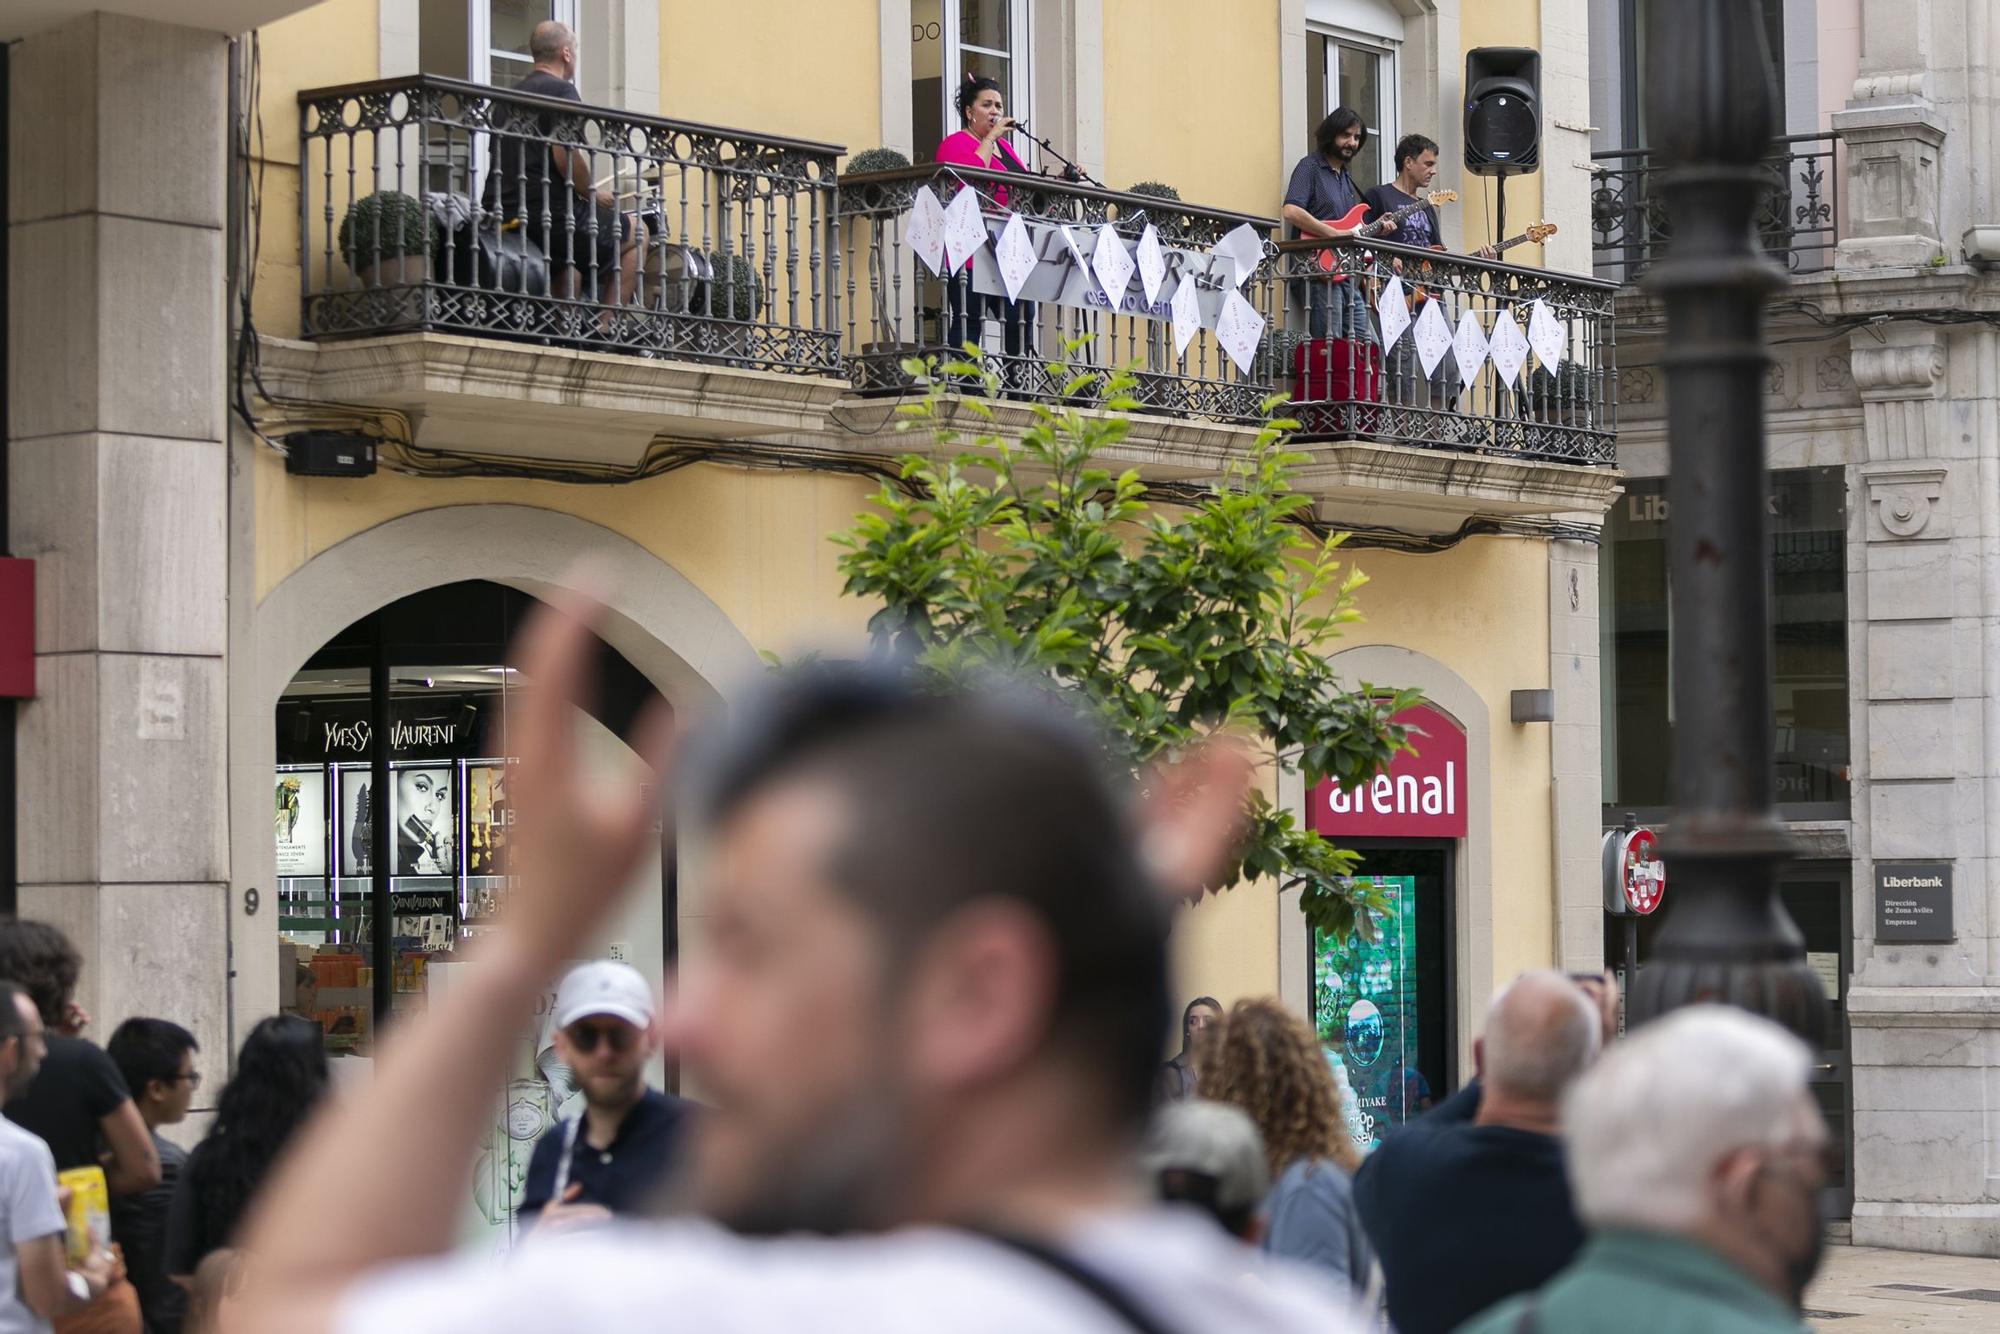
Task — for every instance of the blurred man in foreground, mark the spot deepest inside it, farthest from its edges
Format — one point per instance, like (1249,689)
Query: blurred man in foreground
(932,999)
(1697,1151)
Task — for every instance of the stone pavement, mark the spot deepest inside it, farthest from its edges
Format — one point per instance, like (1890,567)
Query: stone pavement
(1864,1290)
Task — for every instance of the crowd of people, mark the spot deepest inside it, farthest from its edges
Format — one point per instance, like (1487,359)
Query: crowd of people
(926,1040)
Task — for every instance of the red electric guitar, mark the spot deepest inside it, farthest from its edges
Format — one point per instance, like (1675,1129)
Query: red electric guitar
(1352,219)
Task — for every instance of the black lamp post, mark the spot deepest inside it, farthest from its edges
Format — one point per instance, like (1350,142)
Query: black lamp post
(1710,109)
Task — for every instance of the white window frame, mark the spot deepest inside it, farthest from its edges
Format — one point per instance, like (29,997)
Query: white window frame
(1387,51)
(1020,104)
(479,37)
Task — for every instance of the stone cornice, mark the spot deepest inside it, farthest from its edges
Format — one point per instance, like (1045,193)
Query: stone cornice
(1906,292)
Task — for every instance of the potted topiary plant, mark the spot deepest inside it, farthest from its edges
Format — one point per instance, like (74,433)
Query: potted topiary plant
(1155,190)
(875,159)
(387,239)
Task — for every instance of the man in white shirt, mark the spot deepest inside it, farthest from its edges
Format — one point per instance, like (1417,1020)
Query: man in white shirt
(36,1282)
(925,1022)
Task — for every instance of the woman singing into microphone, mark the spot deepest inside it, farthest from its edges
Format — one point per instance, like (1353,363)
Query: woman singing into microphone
(982,143)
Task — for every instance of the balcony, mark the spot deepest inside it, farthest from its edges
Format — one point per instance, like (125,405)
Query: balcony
(1799,222)
(1373,422)
(452,269)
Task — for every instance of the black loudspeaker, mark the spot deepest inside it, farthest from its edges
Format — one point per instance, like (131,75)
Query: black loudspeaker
(1503,110)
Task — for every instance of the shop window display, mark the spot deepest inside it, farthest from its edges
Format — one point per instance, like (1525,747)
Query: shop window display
(1365,1010)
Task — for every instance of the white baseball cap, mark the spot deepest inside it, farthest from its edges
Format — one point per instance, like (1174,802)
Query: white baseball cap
(604,986)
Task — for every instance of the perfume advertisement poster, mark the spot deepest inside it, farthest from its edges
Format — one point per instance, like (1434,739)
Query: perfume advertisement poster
(1365,1011)
(357,831)
(488,819)
(426,824)
(301,822)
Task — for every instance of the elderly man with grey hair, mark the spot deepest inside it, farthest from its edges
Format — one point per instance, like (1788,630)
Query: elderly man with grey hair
(1696,1151)
(1463,1214)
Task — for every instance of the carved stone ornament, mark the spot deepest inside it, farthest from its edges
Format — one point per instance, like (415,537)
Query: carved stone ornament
(1635,385)
(1774,378)
(1906,502)
(1834,375)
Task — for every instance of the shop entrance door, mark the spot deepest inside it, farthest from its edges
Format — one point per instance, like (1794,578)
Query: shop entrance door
(1382,1006)
(1819,898)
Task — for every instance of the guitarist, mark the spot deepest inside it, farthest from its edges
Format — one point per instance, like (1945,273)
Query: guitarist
(1321,188)
(1416,167)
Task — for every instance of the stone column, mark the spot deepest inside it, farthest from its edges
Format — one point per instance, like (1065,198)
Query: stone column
(1576,764)
(1894,134)
(118,491)
(1924,604)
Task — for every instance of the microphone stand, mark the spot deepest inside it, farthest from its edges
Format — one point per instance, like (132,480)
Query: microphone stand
(1070,171)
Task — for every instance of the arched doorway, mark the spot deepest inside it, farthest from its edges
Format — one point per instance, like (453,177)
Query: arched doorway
(391,809)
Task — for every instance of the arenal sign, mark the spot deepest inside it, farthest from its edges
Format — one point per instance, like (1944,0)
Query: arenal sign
(1420,794)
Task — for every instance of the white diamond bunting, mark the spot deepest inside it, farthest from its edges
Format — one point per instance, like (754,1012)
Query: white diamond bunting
(1152,264)
(1244,248)
(1392,308)
(1112,263)
(1432,337)
(1468,347)
(964,229)
(1239,328)
(1075,250)
(923,228)
(1509,348)
(1187,316)
(1014,255)
(1545,334)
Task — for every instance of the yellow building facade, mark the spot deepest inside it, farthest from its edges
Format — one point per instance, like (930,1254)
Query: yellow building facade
(1481,561)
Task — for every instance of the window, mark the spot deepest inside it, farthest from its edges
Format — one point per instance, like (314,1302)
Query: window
(1809,660)
(1634,17)
(1347,71)
(486,41)
(950,39)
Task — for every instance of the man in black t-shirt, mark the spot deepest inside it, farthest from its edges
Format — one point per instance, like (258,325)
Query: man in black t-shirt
(1416,168)
(541,177)
(610,1157)
(156,1059)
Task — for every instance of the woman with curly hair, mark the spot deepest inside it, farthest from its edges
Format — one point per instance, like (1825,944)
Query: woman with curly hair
(1266,1060)
(280,1076)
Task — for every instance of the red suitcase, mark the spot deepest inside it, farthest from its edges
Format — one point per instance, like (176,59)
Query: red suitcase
(1328,370)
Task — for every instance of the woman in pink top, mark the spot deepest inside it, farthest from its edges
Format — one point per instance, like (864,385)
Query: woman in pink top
(982,143)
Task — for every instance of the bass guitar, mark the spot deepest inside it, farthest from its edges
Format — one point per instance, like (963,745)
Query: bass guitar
(1351,221)
(1535,235)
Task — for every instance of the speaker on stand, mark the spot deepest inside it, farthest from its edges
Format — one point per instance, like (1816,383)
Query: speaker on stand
(1503,117)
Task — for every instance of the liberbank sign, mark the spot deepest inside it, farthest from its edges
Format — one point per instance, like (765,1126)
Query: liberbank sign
(1420,795)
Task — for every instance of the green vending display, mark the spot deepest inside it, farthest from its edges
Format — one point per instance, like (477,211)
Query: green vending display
(1364,999)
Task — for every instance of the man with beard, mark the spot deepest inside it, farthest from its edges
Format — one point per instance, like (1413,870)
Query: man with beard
(1697,1154)
(1320,191)
(611,1157)
(924,1016)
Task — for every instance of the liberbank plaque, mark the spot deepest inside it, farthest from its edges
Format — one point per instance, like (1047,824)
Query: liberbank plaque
(1912,902)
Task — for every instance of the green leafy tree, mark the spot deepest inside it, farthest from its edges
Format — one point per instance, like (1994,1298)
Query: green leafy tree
(1212,610)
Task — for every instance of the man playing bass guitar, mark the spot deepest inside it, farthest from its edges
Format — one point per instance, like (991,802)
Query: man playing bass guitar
(1416,167)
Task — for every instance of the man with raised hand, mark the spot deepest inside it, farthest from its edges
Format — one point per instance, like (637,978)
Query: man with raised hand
(925,1022)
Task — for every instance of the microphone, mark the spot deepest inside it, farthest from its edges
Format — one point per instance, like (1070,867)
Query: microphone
(1009,123)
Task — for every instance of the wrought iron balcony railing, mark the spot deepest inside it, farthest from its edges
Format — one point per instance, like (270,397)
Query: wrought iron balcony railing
(438,205)
(1537,377)
(1321,343)
(1798,224)
(898,307)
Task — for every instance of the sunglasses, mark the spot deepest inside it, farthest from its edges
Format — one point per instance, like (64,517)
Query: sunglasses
(618,1037)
